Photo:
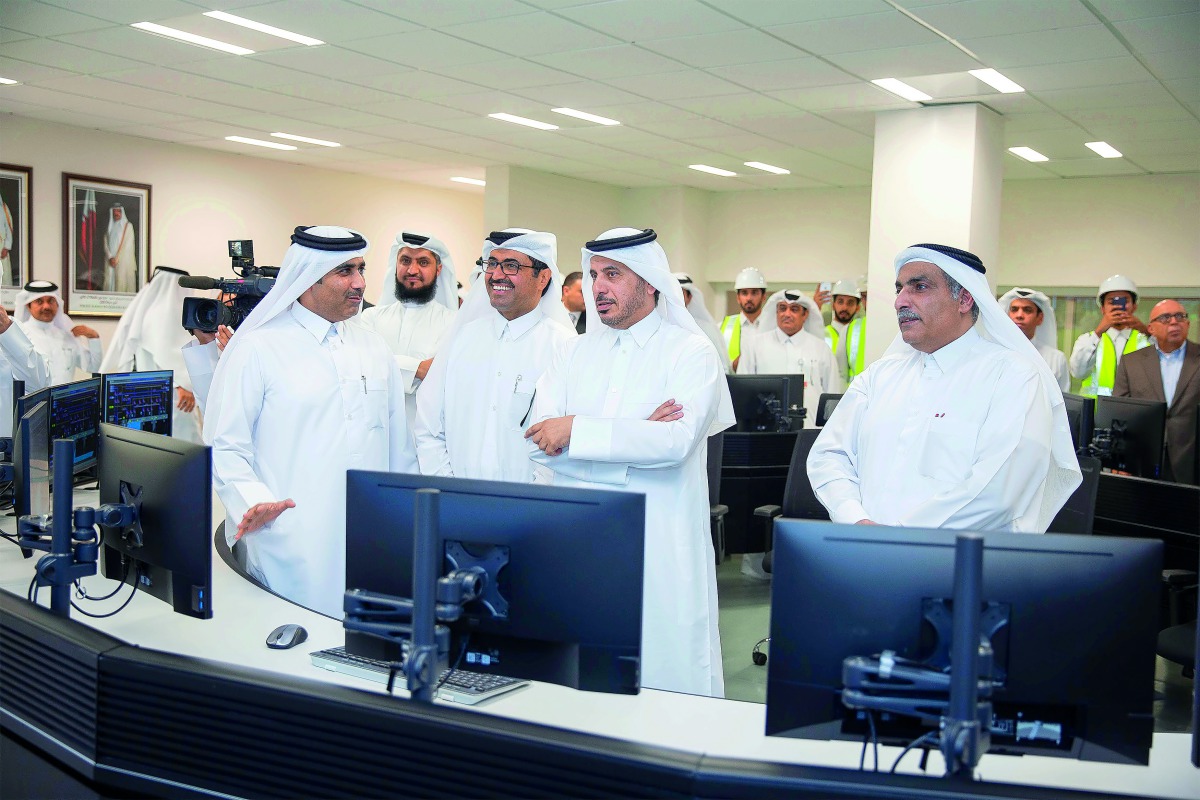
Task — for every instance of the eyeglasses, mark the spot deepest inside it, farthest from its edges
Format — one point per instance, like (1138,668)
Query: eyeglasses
(508,266)
(1164,319)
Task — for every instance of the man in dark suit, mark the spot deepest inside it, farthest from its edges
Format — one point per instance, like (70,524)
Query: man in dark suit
(572,298)
(1174,363)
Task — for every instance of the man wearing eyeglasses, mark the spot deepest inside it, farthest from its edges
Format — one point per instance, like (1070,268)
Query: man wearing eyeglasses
(1168,372)
(473,406)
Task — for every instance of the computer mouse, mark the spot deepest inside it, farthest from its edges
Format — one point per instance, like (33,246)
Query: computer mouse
(286,636)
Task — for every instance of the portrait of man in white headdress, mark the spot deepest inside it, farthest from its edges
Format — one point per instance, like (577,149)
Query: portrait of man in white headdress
(120,252)
(14,230)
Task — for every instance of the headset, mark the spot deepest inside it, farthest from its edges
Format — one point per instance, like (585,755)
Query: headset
(757,655)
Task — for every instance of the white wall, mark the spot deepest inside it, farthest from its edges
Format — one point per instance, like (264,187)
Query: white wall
(202,198)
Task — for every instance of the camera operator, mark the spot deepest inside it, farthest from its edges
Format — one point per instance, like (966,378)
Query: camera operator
(1097,353)
(298,397)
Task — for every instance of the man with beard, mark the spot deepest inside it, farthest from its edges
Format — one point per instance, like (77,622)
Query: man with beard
(475,402)
(846,336)
(416,308)
(751,289)
(1032,312)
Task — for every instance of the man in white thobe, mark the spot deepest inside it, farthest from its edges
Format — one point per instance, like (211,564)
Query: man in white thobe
(298,398)
(149,337)
(120,253)
(960,425)
(416,308)
(64,345)
(791,341)
(474,406)
(19,361)
(693,298)
(1032,312)
(846,333)
(629,406)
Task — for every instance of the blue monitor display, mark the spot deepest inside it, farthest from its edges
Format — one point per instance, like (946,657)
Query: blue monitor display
(139,400)
(75,414)
(1074,661)
(26,402)
(572,583)
(31,461)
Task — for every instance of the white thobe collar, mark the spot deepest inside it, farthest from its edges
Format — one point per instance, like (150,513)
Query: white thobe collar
(517,327)
(314,323)
(641,331)
(953,354)
(752,323)
(840,327)
(42,326)
(783,338)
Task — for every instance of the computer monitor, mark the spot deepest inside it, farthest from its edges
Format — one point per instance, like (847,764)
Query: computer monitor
(572,584)
(25,402)
(1080,415)
(170,556)
(31,462)
(1135,434)
(139,400)
(74,414)
(758,400)
(1076,655)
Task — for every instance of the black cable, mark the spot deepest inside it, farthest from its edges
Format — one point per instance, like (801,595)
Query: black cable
(874,738)
(924,739)
(457,662)
(111,613)
(82,592)
(29,593)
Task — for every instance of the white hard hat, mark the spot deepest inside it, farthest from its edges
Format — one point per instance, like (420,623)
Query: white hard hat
(846,287)
(1116,283)
(750,278)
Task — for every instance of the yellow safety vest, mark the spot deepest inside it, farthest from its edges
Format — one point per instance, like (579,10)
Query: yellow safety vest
(856,345)
(1104,373)
(733,325)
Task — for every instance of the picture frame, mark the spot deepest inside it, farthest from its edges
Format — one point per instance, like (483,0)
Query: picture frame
(16,230)
(106,244)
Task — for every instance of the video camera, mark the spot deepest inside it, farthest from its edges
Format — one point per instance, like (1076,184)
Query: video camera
(252,285)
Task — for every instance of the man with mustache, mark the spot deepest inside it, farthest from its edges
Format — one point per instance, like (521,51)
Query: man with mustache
(846,335)
(474,405)
(960,425)
(751,289)
(298,397)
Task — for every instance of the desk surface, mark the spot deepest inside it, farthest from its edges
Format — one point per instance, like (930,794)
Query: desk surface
(243,615)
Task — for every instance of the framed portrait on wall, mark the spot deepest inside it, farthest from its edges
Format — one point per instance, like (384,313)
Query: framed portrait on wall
(16,229)
(106,244)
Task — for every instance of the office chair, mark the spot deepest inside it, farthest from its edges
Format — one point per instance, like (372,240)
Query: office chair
(1079,512)
(825,406)
(1178,644)
(716,511)
(799,500)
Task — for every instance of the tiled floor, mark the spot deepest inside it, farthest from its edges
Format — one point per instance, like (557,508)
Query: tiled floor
(745,606)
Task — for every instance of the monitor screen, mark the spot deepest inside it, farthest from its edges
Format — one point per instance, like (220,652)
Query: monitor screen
(1080,413)
(74,414)
(31,461)
(759,400)
(139,400)
(170,555)
(27,401)
(1128,435)
(1075,661)
(572,584)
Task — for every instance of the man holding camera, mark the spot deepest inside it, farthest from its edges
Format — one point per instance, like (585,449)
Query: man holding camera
(298,398)
(1097,353)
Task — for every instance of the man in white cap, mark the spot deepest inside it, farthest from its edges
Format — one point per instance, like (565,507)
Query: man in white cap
(1097,353)
(572,298)
(149,337)
(846,334)
(18,361)
(960,425)
(298,397)
(751,289)
(693,298)
(1032,312)
(474,406)
(791,342)
(64,345)
(120,253)
(416,308)
(630,406)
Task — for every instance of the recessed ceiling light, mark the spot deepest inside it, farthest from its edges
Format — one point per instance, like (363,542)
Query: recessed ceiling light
(529,123)
(724,173)
(997,81)
(305,139)
(1027,153)
(1104,149)
(191,38)
(472,181)
(901,89)
(260,143)
(9,82)
(570,112)
(261,28)
(768,168)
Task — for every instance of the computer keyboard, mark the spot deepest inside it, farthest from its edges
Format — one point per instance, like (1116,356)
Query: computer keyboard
(463,687)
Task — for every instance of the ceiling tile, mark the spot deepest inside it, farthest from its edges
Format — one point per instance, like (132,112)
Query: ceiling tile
(763,13)
(1162,34)
(39,19)
(481,104)
(884,30)
(855,95)
(1160,147)
(670,86)
(122,96)
(1173,65)
(169,80)
(1016,124)
(745,104)
(81,106)
(603,63)
(637,113)
(633,20)
(1126,95)
(426,49)
(334,92)
(1079,74)
(1080,43)
(733,145)
(1019,169)
(1136,131)
(442,154)
(856,120)
(793,73)
(419,85)
(440,13)
(8,35)
(25,72)
(1093,168)
(979,18)
(162,134)
(149,47)
(66,56)
(905,62)
(338,117)
(1171,163)
(403,131)
(248,71)
(582,96)
(407,109)
(745,46)
(329,61)
(511,73)
(539,33)
(126,12)
(625,179)
(691,129)
(330,22)
(1117,10)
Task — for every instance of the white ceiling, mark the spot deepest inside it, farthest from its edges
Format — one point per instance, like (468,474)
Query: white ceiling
(406,85)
